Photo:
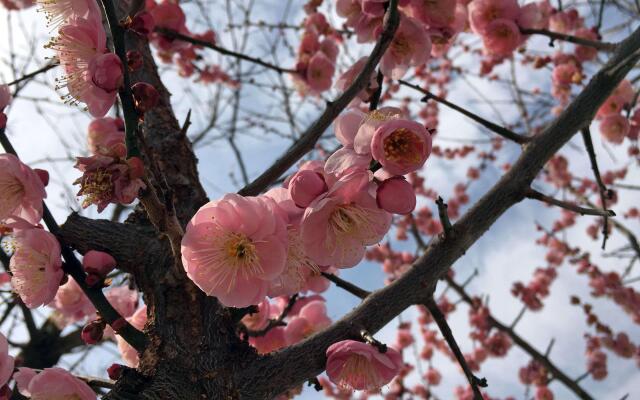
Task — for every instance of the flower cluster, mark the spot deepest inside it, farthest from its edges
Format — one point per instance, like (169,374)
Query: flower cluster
(240,249)
(614,124)
(106,176)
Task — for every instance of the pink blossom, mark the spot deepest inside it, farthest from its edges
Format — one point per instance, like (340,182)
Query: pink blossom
(359,366)
(566,74)
(59,12)
(401,146)
(106,137)
(625,91)
(396,196)
(349,9)
(612,105)
(543,393)
(72,303)
(433,376)
(305,186)
(234,247)
(21,190)
(128,353)
(271,341)
(484,12)
(143,23)
(6,361)
(501,37)
(346,161)
(614,128)
(347,124)
(347,78)
(16,4)
(312,318)
(98,263)
(36,266)
(338,226)
(319,73)
(433,13)
(367,129)
(534,15)
(107,180)
(123,299)
(52,383)
(298,267)
(5,97)
(92,74)
(410,47)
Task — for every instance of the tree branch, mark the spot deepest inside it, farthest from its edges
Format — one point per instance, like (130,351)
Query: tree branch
(535,195)
(502,131)
(602,46)
(263,378)
(309,138)
(602,189)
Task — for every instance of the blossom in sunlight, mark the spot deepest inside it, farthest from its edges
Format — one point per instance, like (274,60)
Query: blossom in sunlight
(360,366)
(6,361)
(128,353)
(59,12)
(52,383)
(93,75)
(410,47)
(21,190)
(312,318)
(401,146)
(614,128)
(36,266)
(72,303)
(234,247)
(337,227)
(107,180)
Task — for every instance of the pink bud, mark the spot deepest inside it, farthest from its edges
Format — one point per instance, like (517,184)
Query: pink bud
(305,186)
(115,371)
(92,280)
(43,175)
(98,263)
(145,96)
(136,168)
(5,96)
(93,331)
(396,195)
(106,72)
(143,23)
(134,60)
(3,120)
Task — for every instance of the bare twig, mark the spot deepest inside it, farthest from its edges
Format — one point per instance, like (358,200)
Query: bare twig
(535,195)
(603,46)
(602,189)
(348,286)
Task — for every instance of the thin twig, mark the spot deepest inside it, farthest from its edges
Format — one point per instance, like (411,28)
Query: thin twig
(275,322)
(504,132)
(441,321)
(444,217)
(602,189)
(348,286)
(603,46)
(535,195)
(33,73)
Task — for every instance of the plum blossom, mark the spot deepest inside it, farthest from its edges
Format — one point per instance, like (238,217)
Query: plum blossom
(396,196)
(501,37)
(21,190)
(312,318)
(108,180)
(52,383)
(58,12)
(234,247)
(6,361)
(483,12)
(347,78)
(410,47)
(337,226)
(359,366)
(260,319)
(93,75)
(106,137)
(614,128)
(71,302)
(36,266)
(401,146)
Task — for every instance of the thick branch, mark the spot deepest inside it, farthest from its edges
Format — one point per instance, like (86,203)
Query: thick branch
(309,138)
(307,359)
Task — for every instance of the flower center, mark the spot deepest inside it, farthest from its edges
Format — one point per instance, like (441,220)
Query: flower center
(402,145)
(96,187)
(358,372)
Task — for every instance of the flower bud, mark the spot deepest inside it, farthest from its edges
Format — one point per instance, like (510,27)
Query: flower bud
(143,23)
(145,96)
(5,96)
(115,371)
(396,195)
(134,60)
(118,324)
(98,263)
(3,120)
(306,186)
(43,175)
(93,331)
(106,72)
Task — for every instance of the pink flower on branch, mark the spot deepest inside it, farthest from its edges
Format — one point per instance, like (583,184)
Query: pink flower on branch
(6,361)
(36,266)
(52,383)
(234,247)
(360,366)
(21,190)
